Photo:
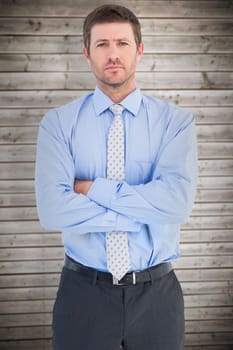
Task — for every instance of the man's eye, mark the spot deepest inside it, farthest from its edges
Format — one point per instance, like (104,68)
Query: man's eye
(124,43)
(100,45)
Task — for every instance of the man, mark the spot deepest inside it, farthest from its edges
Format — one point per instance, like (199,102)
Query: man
(108,211)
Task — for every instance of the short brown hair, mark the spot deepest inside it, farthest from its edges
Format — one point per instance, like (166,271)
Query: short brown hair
(110,14)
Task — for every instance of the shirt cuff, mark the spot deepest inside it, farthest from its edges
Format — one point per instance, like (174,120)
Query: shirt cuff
(102,191)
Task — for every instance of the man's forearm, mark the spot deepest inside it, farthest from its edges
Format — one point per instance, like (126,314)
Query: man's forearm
(82,186)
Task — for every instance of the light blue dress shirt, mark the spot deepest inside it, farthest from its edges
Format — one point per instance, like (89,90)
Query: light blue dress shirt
(160,177)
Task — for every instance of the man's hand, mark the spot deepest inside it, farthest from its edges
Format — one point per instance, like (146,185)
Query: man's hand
(82,186)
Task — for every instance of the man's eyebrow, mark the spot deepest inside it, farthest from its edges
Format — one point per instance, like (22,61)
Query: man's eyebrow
(106,40)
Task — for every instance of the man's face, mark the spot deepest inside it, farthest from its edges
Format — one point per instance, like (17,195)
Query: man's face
(113,55)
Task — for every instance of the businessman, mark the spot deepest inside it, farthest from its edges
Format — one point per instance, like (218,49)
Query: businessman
(116,174)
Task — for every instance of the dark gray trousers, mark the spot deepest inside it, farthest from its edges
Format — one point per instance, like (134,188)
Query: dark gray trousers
(92,315)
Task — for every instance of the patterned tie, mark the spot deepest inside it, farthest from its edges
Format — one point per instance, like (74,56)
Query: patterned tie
(118,261)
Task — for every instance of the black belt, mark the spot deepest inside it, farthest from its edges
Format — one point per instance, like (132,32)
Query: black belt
(130,278)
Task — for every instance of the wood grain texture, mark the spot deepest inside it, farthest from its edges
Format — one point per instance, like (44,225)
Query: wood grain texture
(188,60)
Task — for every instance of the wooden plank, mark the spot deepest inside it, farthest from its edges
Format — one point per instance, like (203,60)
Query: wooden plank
(24,282)
(206,275)
(40,319)
(210,300)
(50,266)
(209,313)
(204,183)
(208,217)
(212,222)
(17,153)
(26,153)
(45,344)
(195,335)
(144,8)
(215,150)
(45,319)
(28,134)
(30,240)
(23,170)
(49,99)
(38,253)
(86,80)
(32,116)
(150,62)
(196,306)
(28,345)
(31,304)
(25,227)
(22,307)
(57,252)
(26,170)
(204,249)
(19,134)
(26,117)
(209,167)
(35,332)
(209,332)
(47,239)
(204,261)
(212,115)
(206,236)
(213,195)
(28,295)
(74,44)
(73,26)
(24,186)
(210,202)
(43,285)
(21,267)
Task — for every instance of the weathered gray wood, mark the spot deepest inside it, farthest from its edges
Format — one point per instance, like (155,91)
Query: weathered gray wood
(47,266)
(144,8)
(73,26)
(50,99)
(26,153)
(28,135)
(188,60)
(33,116)
(162,44)
(224,310)
(149,62)
(45,344)
(86,81)
(26,170)
(44,319)
(204,183)
(57,252)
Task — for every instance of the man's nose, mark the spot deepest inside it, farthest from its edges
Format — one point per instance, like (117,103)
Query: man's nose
(113,53)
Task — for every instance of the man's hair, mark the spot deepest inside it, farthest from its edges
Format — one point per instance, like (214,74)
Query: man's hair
(110,14)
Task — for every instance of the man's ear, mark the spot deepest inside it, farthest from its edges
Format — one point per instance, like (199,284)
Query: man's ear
(140,51)
(86,55)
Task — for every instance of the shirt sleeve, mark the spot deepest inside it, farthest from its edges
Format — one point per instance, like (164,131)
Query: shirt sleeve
(59,207)
(169,196)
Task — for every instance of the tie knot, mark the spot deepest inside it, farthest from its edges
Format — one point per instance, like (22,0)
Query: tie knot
(116,109)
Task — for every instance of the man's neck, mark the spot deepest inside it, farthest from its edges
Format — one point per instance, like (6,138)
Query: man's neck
(116,94)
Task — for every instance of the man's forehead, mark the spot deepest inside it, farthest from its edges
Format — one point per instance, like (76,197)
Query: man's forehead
(109,31)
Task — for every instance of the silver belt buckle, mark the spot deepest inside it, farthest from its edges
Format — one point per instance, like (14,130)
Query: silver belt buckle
(116,282)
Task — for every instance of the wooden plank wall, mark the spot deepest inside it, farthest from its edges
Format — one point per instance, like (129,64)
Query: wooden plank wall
(188,60)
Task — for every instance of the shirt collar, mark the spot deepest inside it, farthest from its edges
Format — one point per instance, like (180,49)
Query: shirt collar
(131,102)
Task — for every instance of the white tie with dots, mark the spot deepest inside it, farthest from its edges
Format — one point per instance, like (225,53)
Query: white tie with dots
(118,261)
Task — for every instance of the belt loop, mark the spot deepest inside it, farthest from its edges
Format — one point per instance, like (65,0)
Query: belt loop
(95,274)
(151,278)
